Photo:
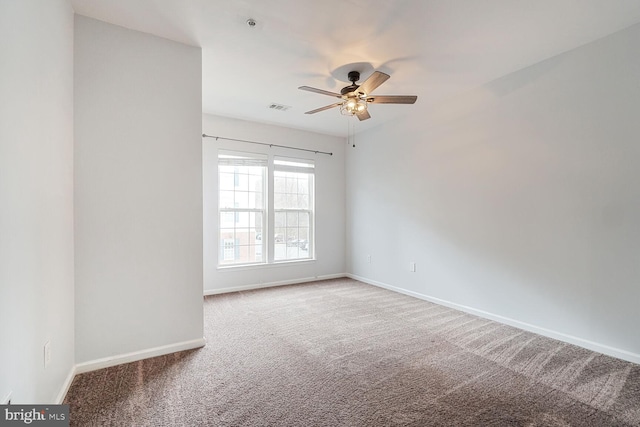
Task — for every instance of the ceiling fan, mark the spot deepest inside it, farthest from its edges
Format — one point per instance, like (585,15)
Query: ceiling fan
(354,98)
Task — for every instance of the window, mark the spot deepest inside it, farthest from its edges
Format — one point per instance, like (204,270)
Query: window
(242,210)
(293,208)
(259,224)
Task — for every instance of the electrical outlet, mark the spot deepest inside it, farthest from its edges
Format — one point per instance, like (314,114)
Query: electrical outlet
(412,267)
(47,353)
(369,259)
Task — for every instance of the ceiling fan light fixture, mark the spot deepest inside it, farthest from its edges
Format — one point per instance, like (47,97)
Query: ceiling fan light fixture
(353,106)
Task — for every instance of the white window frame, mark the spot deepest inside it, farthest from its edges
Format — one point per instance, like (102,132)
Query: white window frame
(268,244)
(294,165)
(239,159)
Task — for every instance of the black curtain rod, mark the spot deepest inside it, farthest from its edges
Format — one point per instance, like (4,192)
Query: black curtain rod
(204,135)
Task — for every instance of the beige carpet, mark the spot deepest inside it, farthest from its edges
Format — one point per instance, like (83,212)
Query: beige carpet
(343,353)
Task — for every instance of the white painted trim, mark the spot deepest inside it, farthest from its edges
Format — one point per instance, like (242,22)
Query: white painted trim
(272,284)
(106,362)
(66,385)
(264,265)
(580,342)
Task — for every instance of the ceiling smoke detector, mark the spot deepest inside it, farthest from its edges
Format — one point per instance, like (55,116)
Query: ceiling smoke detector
(251,22)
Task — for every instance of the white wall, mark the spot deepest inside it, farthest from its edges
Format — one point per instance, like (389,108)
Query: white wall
(36,196)
(330,202)
(138,192)
(520,199)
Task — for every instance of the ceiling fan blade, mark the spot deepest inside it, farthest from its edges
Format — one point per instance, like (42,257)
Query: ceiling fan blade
(392,99)
(320,91)
(374,80)
(317,110)
(364,115)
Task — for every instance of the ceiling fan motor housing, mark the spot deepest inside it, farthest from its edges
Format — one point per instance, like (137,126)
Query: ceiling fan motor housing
(354,76)
(348,89)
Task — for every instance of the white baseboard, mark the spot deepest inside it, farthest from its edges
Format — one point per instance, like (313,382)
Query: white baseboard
(137,355)
(272,284)
(580,342)
(65,386)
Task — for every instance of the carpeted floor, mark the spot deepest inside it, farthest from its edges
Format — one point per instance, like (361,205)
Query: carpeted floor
(343,353)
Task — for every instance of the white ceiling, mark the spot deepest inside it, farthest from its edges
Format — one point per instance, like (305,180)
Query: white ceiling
(431,48)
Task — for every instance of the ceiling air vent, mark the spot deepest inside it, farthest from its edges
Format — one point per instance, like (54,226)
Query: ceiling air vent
(279,107)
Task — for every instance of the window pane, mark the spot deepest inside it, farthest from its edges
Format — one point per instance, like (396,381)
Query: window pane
(291,184)
(241,199)
(292,201)
(241,181)
(280,219)
(279,200)
(227,250)
(303,185)
(257,253)
(227,233)
(255,221)
(255,200)
(242,236)
(292,219)
(241,196)
(303,201)
(279,234)
(226,199)
(226,181)
(293,227)
(303,219)
(227,220)
(280,252)
(255,183)
(242,219)
(278,182)
(292,236)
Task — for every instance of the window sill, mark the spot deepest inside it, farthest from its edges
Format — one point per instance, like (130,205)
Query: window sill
(275,264)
